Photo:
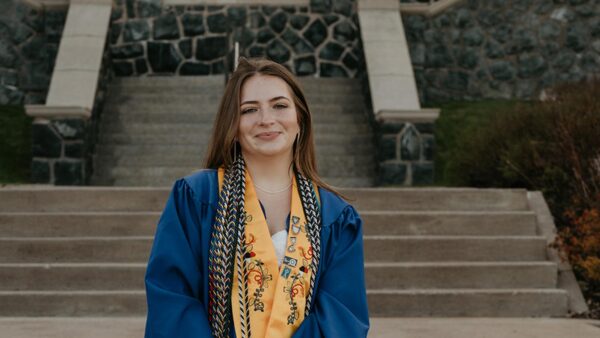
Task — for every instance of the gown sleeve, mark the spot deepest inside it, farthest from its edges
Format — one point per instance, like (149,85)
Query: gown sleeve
(340,307)
(173,277)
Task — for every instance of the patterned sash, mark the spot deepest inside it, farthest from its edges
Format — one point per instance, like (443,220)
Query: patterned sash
(246,284)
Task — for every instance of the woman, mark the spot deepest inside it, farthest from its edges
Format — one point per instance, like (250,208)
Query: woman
(257,245)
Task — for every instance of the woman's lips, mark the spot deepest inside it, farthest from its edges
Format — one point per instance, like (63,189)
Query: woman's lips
(268,136)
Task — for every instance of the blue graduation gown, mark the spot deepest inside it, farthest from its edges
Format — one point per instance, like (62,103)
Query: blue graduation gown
(177,274)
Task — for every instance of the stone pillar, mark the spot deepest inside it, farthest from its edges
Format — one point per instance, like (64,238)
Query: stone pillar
(59,151)
(406,152)
(64,129)
(405,130)
(391,77)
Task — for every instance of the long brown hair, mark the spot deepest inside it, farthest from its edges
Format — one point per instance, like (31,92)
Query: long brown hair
(225,128)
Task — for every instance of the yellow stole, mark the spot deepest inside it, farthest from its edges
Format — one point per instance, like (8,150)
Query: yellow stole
(276,294)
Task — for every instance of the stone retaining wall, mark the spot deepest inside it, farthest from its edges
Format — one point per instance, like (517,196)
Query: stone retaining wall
(63,148)
(480,49)
(406,153)
(28,46)
(503,48)
(320,39)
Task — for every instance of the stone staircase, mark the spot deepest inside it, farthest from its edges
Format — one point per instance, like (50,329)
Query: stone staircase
(82,251)
(156,129)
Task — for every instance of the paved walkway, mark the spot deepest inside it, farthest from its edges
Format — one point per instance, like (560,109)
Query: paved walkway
(380,328)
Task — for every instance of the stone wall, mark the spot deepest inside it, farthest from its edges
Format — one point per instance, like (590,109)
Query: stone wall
(479,49)
(63,147)
(405,153)
(28,46)
(503,48)
(320,39)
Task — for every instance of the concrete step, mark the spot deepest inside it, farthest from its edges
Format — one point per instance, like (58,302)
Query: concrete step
(130,276)
(461,275)
(309,85)
(116,89)
(341,107)
(430,199)
(124,150)
(458,223)
(72,276)
(133,327)
(377,249)
(382,303)
(197,150)
(190,95)
(72,303)
(199,138)
(171,173)
(316,99)
(468,303)
(124,115)
(133,83)
(311,81)
(194,100)
(105,162)
(166,100)
(76,199)
(206,111)
(139,181)
(75,249)
(78,224)
(130,179)
(454,248)
(205,105)
(137,128)
(320,86)
(175,159)
(410,327)
(354,177)
(61,199)
(322,94)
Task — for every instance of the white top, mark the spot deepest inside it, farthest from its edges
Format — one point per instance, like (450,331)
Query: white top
(279,241)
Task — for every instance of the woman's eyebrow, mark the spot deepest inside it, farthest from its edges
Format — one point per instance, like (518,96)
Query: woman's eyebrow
(271,100)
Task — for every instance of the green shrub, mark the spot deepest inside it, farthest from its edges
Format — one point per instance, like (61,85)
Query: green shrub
(457,124)
(552,146)
(15,145)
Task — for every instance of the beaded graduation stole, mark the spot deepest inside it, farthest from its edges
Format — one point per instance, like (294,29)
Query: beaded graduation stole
(262,298)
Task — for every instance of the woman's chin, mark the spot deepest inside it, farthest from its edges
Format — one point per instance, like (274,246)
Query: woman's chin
(269,151)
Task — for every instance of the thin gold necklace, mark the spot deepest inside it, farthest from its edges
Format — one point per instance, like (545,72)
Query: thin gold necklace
(273,192)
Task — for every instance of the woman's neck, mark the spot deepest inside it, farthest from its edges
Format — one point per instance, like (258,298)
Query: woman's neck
(270,172)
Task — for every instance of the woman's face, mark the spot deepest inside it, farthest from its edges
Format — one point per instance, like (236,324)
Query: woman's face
(268,121)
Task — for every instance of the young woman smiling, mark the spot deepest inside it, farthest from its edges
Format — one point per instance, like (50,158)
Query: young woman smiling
(257,245)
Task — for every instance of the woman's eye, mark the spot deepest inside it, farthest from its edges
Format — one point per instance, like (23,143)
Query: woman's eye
(280,106)
(249,110)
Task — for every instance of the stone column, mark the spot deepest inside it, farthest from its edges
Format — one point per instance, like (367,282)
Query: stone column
(59,150)
(63,130)
(406,152)
(405,129)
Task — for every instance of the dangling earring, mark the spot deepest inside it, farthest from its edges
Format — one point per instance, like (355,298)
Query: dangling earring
(297,141)
(235,143)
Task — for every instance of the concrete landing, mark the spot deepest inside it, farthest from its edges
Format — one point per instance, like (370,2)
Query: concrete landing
(483,328)
(380,328)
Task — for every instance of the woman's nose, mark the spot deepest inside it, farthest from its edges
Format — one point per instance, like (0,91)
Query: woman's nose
(267,115)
